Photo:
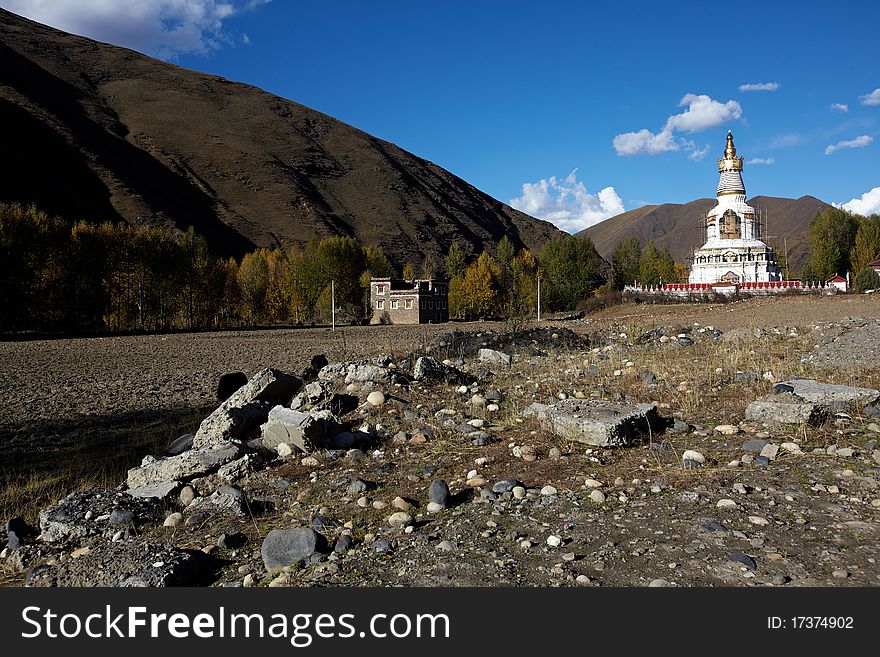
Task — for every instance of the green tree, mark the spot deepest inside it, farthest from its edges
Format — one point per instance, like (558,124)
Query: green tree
(409,272)
(656,266)
(866,247)
(572,268)
(626,262)
(456,261)
(253,281)
(866,279)
(831,238)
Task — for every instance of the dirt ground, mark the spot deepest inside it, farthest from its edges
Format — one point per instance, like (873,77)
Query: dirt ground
(805,521)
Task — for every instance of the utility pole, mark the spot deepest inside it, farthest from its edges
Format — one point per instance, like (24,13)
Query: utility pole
(333,304)
(539,297)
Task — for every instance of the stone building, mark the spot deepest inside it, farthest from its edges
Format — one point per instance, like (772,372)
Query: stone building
(409,302)
(733,251)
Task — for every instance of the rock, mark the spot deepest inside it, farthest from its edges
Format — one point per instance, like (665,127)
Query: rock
(680,426)
(754,445)
(18,532)
(357,486)
(229,384)
(840,574)
(161,490)
(187,495)
(548,490)
(770,451)
(554,541)
(226,499)
(196,462)
(492,357)
(776,409)
(744,560)
(428,369)
(305,431)
(400,503)
(693,455)
(173,519)
(343,544)
(595,422)
(690,464)
(726,504)
(400,519)
(367,373)
(649,379)
(727,429)
(505,486)
(284,450)
(597,496)
(382,547)
(240,468)
(658,583)
(745,377)
(762,460)
(519,492)
(711,527)
(433,507)
(438,493)
(316,364)
(181,444)
(231,541)
(827,394)
(446,546)
(82,515)
(283,548)
(247,408)
(376,398)
(593,483)
(129,563)
(758,520)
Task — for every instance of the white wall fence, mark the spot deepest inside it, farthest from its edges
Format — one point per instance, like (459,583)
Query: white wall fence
(733,289)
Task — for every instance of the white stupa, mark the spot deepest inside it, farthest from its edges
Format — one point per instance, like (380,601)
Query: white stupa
(733,252)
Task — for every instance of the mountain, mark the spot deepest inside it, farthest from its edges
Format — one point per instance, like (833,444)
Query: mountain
(679,227)
(99,132)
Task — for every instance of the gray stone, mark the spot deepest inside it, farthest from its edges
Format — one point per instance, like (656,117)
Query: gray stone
(130,563)
(162,490)
(239,468)
(597,423)
(306,431)
(505,486)
(428,369)
(357,486)
(754,445)
(762,460)
(649,379)
(711,527)
(773,410)
(187,495)
(367,374)
(226,499)
(181,444)
(196,462)
(493,357)
(86,514)
(343,544)
(247,408)
(18,532)
(744,560)
(746,377)
(382,547)
(809,390)
(283,548)
(438,493)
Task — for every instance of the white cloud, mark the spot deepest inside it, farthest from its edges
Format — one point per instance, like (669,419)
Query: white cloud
(567,203)
(859,142)
(872,98)
(867,203)
(839,107)
(784,141)
(762,160)
(164,28)
(644,142)
(702,113)
(760,86)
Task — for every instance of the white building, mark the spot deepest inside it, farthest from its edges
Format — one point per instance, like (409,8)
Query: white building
(733,252)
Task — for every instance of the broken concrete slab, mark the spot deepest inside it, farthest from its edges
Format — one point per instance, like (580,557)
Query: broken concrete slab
(247,408)
(306,431)
(597,423)
(829,394)
(85,514)
(193,463)
(785,409)
(162,490)
(493,357)
(124,564)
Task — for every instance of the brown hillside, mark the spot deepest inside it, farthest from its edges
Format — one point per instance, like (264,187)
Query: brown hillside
(679,226)
(101,132)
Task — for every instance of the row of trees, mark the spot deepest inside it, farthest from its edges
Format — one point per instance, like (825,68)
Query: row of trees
(841,242)
(648,266)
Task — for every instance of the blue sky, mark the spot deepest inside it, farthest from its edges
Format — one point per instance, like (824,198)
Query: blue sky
(635,97)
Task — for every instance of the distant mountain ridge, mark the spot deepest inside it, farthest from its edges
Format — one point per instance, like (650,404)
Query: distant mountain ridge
(679,226)
(100,132)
